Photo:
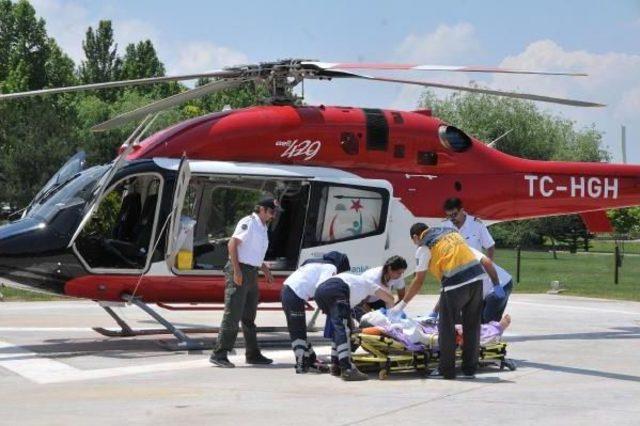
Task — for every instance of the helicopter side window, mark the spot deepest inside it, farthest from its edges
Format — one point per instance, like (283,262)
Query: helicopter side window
(119,234)
(217,203)
(347,212)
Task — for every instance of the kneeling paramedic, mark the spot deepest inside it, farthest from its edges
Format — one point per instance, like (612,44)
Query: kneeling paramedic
(298,288)
(336,297)
(444,253)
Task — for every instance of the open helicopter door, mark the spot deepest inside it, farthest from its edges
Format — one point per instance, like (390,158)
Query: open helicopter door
(180,190)
(102,185)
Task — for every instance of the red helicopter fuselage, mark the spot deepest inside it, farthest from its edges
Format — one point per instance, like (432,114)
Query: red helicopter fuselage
(423,160)
(407,149)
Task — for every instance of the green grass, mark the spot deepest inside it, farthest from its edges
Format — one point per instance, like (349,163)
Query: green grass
(582,274)
(585,274)
(632,247)
(12,294)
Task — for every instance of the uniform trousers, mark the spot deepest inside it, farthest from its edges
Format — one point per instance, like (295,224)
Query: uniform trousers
(240,305)
(332,297)
(467,300)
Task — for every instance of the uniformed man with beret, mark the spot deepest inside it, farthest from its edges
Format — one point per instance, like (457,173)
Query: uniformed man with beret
(247,248)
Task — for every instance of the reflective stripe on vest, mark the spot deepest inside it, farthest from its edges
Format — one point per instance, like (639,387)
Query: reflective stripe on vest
(451,262)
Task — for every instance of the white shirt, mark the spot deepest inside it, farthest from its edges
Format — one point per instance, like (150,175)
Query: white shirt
(487,286)
(359,287)
(474,232)
(307,278)
(423,256)
(375,275)
(254,240)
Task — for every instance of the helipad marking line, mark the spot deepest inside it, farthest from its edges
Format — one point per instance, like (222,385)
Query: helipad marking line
(30,366)
(41,370)
(575,308)
(46,329)
(26,306)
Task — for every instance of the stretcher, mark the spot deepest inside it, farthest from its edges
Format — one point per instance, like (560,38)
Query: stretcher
(384,354)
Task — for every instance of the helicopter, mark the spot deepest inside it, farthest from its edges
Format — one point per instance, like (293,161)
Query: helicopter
(152,226)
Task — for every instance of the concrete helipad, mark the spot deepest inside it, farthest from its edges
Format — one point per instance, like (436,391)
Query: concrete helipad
(578,363)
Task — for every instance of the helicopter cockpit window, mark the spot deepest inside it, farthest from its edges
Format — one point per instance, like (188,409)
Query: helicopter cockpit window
(347,212)
(119,233)
(76,190)
(217,203)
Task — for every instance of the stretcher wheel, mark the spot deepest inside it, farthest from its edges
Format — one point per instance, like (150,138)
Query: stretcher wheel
(383,374)
(509,363)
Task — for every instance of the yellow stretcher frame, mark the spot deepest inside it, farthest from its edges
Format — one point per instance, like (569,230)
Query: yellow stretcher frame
(387,355)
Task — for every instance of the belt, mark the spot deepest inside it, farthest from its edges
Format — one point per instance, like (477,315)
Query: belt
(246,265)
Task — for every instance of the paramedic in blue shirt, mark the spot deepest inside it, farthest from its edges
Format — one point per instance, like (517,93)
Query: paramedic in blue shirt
(247,249)
(495,297)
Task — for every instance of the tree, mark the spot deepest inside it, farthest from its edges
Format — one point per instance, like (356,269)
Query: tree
(28,49)
(35,133)
(533,134)
(625,221)
(567,230)
(141,61)
(6,37)
(102,63)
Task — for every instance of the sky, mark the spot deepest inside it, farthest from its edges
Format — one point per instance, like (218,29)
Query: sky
(597,37)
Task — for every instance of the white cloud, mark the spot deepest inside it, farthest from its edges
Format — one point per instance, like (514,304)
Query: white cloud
(133,31)
(200,56)
(612,80)
(67,22)
(447,45)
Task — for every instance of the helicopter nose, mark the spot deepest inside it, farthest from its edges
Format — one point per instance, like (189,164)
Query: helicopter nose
(32,257)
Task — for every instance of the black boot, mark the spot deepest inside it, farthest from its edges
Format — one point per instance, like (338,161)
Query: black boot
(258,359)
(221,360)
(352,374)
(335,370)
(301,365)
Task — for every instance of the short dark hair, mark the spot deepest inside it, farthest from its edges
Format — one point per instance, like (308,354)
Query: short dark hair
(417,229)
(394,263)
(452,203)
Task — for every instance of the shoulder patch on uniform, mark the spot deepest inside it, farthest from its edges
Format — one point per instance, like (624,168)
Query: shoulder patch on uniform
(477,220)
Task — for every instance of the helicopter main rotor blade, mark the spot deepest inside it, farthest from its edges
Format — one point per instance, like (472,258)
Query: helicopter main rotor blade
(171,101)
(121,83)
(414,67)
(528,96)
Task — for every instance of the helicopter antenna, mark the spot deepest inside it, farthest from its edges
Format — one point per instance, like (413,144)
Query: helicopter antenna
(492,144)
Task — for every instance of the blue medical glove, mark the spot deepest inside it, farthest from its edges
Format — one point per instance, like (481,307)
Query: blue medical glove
(499,292)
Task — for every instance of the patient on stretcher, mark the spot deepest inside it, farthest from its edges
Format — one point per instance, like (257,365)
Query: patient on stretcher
(417,333)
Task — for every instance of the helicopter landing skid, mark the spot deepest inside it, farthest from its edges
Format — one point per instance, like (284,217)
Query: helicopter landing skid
(184,342)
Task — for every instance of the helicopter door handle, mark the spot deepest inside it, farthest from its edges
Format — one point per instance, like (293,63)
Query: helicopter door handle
(430,177)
